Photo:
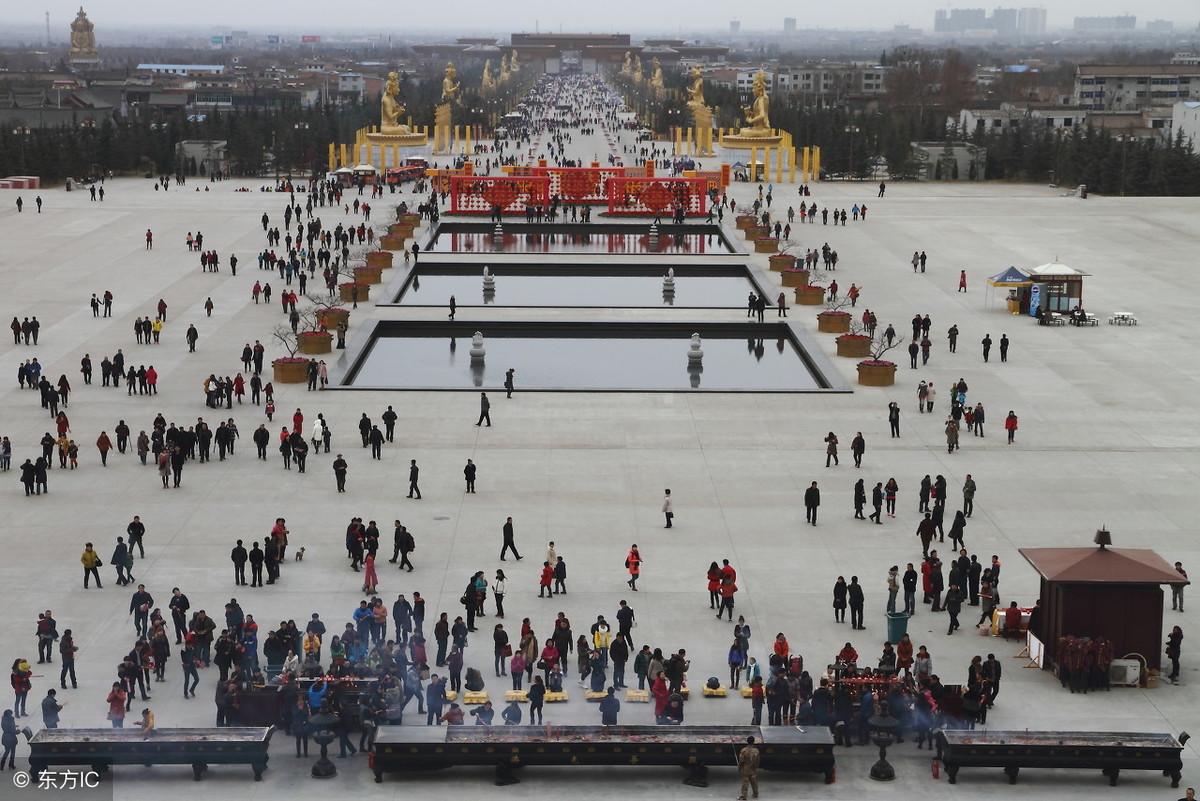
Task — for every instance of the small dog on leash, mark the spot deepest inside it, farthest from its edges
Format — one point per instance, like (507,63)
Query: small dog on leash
(300,555)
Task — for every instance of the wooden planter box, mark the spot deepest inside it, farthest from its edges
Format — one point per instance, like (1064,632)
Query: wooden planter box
(756,232)
(368,275)
(400,229)
(794,277)
(389,242)
(782,261)
(412,219)
(766,244)
(364,292)
(810,295)
(854,346)
(876,374)
(331,317)
(743,221)
(290,372)
(380,258)
(833,322)
(311,342)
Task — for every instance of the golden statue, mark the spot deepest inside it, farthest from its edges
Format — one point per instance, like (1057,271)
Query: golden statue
(696,90)
(391,109)
(83,37)
(757,113)
(489,82)
(638,77)
(504,68)
(627,67)
(656,79)
(449,85)
(513,66)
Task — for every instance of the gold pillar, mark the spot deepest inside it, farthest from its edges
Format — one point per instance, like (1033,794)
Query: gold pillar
(331,157)
(816,170)
(779,163)
(345,162)
(791,165)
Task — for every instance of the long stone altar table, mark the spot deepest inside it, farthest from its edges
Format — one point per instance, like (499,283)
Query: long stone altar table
(694,748)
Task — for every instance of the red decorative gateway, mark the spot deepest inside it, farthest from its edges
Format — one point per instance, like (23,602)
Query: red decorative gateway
(657,196)
(579,184)
(477,195)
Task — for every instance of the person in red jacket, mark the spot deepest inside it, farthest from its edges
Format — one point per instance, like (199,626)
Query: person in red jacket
(926,577)
(545,581)
(298,422)
(1010,425)
(714,586)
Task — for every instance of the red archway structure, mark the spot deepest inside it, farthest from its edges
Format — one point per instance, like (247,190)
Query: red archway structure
(649,197)
(472,194)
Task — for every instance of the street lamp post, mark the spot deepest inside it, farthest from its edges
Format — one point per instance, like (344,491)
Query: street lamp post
(1124,152)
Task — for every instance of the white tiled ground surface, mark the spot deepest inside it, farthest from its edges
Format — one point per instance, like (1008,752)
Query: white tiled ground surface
(1106,438)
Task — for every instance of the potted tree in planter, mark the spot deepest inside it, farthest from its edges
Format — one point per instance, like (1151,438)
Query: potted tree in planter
(783,260)
(766,244)
(290,369)
(812,291)
(380,258)
(855,344)
(744,221)
(877,371)
(835,319)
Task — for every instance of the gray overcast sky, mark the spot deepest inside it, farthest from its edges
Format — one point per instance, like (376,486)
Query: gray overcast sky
(394,18)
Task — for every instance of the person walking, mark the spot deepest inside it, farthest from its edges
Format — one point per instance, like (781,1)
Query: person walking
(1004,347)
(633,563)
(509,541)
(858,447)
(962,280)
(987,346)
(191,336)
(894,418)
(91,562)
(469,475)
(508,381)
(339,473)
(668,509)
(748,758)
(66,652)
(854,597)
(831,443)
(1010,425)
(877,503)
(484,410)
(414,473)
(812,499)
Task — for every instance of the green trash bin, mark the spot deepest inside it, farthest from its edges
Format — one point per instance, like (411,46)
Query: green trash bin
(897,625)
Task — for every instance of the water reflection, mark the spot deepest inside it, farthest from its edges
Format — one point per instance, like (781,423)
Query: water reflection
(588,363)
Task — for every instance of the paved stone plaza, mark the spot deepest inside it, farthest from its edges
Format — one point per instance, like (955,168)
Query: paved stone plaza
(1106,438)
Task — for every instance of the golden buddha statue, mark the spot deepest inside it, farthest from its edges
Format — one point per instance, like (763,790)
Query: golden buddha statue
(696,88)
(757,113)
(638,77)
(391,109)
(504,68)
(656,77)
(449,85)
(627,67)
(83,37)
(513,66)
(488,81)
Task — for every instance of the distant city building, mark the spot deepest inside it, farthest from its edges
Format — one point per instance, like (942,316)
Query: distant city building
(1125,22)
(1185,119)
(735,26)
(182,69)
(789,24)
(1102,87)
(1160,26)
(824,83)
(1007,23)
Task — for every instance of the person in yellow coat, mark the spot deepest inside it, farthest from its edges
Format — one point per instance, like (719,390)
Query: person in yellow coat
(156,328)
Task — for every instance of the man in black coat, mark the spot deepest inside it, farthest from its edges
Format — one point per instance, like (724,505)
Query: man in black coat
(389,423)
(484,410)
(364,429)
(509,541)
(910,589)
(239,557)
(262,438)
(854,599)
(271,560)
(376,438)
(404,544)
(877,503)
(179,606)
(812,499)
(339,473)
(257,557)
(139,607)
